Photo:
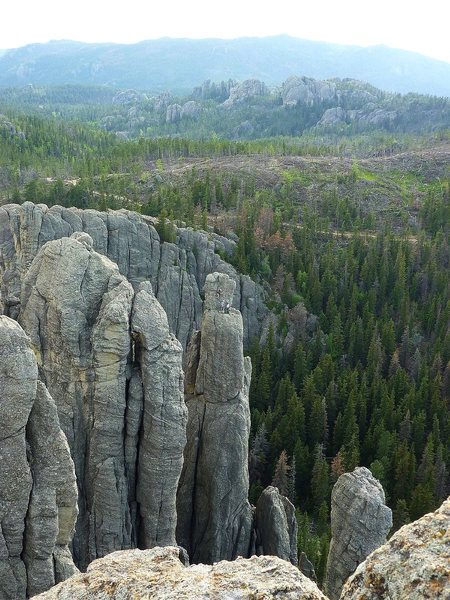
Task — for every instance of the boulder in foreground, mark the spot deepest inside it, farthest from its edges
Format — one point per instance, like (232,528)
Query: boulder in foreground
(159,574)
(413,565)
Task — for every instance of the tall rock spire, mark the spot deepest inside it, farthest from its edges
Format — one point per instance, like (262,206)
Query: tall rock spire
(214,515)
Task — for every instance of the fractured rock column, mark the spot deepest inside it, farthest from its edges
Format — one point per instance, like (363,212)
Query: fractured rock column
(115,373)
(163,437)
(76,308)
(360,522)
(276,526)
(214,515)
(38,493)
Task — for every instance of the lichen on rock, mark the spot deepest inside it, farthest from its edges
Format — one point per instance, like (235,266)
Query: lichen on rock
(160,575)
(414,564)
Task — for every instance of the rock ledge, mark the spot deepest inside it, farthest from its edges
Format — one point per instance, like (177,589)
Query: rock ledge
(159,574)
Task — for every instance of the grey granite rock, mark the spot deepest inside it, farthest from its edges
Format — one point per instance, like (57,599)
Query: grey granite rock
(243,91)
(276,526)
(37,480)
(305,90)
(214,516)
(360,522)
(158,355)
(191,110)
(173,113)
(332,116)
(115,373)
(414,564)
(160,575)
(177,272)
(76,308)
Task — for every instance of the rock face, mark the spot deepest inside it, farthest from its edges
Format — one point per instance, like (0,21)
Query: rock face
(160,575)
(173,113)
(37,480)
(249,88)
(128,97)
(414,564)
(333,116)
(360,522)
(115,374)
(214,516)
(191,110)
(159,377)
(305,90)
(177,272)
(276,526)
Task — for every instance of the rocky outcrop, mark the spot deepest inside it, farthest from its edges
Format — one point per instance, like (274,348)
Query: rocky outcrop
(276,526)
(305,90)
(9,130)
(37,480)
(333,116)
(250,88)
(360,522)
(177,272)
(414,564)
(128,97)
(191,110)
(160,575)
(115,374)
(337,116)
(173,113)
(209,90)
(214,516)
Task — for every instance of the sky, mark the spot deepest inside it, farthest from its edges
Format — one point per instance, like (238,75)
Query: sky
(418,25)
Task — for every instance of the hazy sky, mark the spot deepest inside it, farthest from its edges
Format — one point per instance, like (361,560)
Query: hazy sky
(419,25)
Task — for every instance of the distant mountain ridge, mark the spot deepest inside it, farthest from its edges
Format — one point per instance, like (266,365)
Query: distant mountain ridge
(179,64)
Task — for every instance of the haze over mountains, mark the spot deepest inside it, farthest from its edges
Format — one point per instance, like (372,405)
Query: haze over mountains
(180,64)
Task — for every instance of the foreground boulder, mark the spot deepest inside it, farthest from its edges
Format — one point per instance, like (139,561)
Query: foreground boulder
(413,565)
(214,515)
(360,522)
(114,371)
(159,574)
(38,493)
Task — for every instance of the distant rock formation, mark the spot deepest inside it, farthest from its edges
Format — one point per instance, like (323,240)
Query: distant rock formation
(129,97)
(360,522)
(250,88)
(305,90)
(214,515)
(8,130)
(173,113)
(209,90)
(190,110)
(38,495)
(333,116)
(115,374)
(159,574)
(414,564)
(373,116)
(177,272)
(276,526)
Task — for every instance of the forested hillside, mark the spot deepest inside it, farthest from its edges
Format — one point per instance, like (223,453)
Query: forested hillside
(179,64)
(345,226)
(322,110)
